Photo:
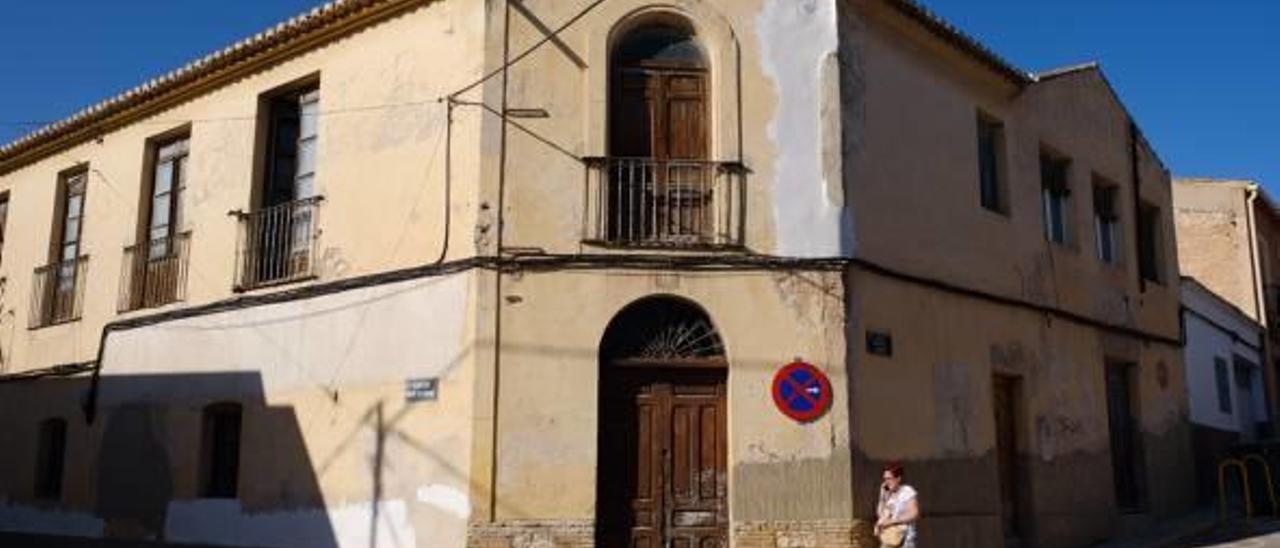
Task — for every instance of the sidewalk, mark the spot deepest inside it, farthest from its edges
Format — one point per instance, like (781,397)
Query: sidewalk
(1170,532)
(1238,534)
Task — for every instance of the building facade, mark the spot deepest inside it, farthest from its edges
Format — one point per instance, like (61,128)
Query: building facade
(523,274)
(1225,388)
(1227,232)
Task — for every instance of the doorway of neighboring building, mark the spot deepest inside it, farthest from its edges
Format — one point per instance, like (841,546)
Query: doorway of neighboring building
(1004,396)
(1126,446)
(661,477)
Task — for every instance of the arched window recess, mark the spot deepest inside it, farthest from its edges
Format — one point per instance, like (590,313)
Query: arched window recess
(658,186)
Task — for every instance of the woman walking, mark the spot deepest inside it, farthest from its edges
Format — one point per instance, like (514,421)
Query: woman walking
(897,512)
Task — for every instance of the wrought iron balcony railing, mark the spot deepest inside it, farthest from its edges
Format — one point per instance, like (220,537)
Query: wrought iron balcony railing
(57,294)
(645,202)
(277,244)
(155,273)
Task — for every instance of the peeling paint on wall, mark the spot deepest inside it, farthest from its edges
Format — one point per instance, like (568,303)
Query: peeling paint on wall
(798,43)
(953,406)
(445,498)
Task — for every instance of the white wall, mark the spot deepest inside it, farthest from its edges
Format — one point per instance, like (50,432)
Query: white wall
(1210,324)
(354,338)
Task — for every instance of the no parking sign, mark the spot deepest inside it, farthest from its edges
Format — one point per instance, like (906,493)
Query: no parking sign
(801,391)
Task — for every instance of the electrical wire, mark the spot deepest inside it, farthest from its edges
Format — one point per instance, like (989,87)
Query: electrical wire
(507,63)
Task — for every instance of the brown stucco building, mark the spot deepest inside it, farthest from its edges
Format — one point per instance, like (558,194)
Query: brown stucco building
(522,274)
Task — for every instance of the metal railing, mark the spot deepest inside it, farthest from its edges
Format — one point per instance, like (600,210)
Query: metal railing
(277,244)
(57,294)
(664,203)
(155,273)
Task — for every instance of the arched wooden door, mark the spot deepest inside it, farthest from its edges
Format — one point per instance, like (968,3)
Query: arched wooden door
(661,478)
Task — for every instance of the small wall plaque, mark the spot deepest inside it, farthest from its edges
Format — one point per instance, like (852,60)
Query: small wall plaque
(879,343)
(424,389)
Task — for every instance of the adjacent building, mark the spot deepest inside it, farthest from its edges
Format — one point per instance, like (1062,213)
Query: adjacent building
(460,273)
(1227,233)
(1224,356)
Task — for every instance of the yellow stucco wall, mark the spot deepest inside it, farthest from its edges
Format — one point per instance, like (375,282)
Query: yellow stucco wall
(380,170)
(313,453)
(820,100)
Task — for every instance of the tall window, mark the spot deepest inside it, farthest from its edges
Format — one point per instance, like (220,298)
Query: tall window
(1149,242)
(278,237)
(155,267)
(50,458)
(990,153)
(220,464)
(1223,382)
(59,285)
(70,223)
(168,185)
(660,181)
(1056,197)
(291,160)
(1106,220)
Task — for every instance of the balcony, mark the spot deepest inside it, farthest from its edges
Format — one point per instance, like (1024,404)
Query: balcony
(154,274)
(643,202)
(57,294)
(277,244)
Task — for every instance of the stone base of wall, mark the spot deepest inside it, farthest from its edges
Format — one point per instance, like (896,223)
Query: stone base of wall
(803,534)
(532,534)
(751,534)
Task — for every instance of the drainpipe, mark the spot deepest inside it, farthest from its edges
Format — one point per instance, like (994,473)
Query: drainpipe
(1251,197)
(497,278)
(1259,300)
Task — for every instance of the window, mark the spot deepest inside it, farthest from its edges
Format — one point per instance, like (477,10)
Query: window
(4,220)
(155,268)
(220,467)
(58,286)
(1056,196)
(1106,220)
(1223,384)
(70,223)
(660,184)
(1149,242)
(990,159)
(291,160)
(168,186)
(279,236)
(50,458)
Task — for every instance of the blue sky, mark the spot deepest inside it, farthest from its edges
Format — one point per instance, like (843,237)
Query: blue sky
(1202,78)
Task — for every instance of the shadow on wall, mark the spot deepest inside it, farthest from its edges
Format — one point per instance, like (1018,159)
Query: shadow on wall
(197,459)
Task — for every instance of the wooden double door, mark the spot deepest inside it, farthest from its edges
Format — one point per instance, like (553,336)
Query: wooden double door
(662,478)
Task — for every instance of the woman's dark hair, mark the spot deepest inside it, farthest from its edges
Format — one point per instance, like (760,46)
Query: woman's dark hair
(894,468)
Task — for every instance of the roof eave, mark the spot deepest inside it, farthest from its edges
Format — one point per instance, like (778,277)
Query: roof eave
(297,34)
(962,41)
